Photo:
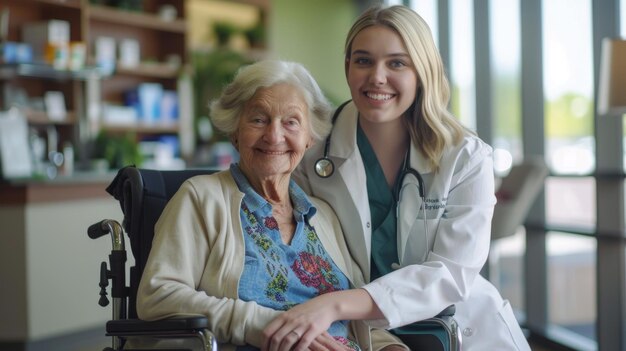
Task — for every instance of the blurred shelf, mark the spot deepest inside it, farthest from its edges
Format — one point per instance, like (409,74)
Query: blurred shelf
(136,19)
(43,71)
(41,118)
(150,70)
(142,128)
(74,4)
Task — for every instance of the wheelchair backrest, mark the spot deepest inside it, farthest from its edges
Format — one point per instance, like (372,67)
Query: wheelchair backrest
(143,194)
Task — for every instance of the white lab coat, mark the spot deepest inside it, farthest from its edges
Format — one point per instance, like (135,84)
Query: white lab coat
(460,200)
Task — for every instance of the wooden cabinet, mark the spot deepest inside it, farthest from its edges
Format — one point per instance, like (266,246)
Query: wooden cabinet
(162,46)
(161,29)
(25,85)
(158,28)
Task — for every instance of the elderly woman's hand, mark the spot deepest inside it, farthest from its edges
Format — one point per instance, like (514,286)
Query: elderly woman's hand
(323,342)
(310,319)
(299,326)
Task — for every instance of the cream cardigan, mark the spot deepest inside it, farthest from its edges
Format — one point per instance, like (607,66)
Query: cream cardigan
(197,258)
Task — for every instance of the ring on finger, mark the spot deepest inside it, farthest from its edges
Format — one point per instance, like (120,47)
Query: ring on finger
(297,334)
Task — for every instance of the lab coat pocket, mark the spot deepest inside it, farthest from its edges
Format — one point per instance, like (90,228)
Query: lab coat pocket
(419,242)
(508,317)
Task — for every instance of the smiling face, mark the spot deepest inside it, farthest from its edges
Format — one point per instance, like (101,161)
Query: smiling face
(273,133)
(382,79)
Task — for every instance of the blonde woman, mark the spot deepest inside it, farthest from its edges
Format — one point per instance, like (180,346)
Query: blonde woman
(413,190)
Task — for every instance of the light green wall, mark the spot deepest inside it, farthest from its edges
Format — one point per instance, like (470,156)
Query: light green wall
(313,33)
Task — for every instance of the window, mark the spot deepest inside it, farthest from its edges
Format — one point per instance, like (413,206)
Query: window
(462,62)
(623,18)
(568,86)
(572,283)
(570,150)
(428,10)
(507,254)
(570,202)
(505,48)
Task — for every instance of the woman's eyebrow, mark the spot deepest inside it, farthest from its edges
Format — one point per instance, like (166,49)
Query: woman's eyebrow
(395,54)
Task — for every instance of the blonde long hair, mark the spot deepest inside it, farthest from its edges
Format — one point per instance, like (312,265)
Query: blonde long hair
(431,126)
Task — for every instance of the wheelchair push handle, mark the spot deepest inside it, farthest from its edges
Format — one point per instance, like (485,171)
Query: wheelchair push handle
(117,265)
(96,230)
(108,226)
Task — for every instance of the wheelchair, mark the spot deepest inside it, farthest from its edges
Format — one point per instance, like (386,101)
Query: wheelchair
(142,195)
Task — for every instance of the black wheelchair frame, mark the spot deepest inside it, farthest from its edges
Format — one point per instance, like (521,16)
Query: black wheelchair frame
(142,195)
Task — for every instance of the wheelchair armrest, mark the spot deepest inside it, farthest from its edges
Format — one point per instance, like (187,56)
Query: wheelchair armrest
(167,325)
(441,332)
(175,327)
(448,311)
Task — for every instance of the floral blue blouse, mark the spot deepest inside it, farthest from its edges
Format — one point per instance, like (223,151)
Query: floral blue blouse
(277,275)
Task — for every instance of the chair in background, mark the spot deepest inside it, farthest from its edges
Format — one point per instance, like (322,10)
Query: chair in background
(143,194)
(516,194)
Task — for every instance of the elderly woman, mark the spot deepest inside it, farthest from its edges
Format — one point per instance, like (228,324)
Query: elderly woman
(243,245)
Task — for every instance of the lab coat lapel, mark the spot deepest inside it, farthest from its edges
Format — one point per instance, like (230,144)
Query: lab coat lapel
(407,212)
(337,193)
(409,208)
(348,190)
(326,236)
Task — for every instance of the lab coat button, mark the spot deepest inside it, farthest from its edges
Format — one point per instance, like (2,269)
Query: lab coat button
(468,332)
(367,224)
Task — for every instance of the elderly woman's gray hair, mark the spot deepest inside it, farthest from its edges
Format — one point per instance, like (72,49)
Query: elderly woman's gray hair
(226,110)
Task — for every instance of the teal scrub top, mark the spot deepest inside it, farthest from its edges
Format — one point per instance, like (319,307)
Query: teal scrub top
(382,208)
(384,239)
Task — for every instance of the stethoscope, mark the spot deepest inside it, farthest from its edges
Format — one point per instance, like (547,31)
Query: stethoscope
(325,167)
(400,188)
